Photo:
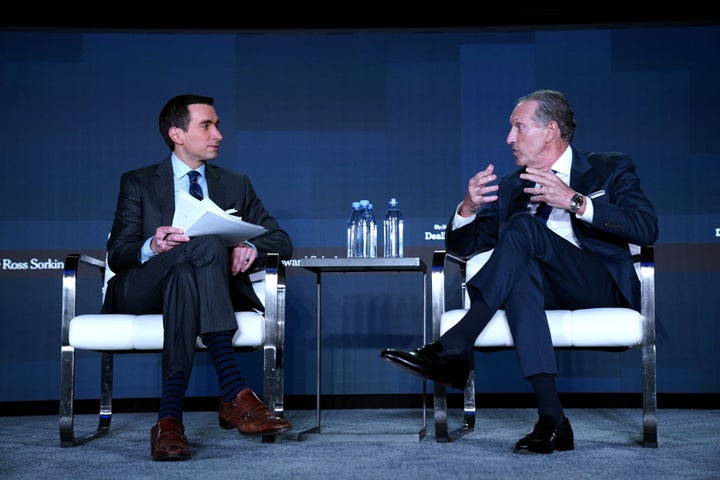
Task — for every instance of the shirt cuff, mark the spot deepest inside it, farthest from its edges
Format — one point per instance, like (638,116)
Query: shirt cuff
(146,252)
(460,221)
(587,217)
(249,245)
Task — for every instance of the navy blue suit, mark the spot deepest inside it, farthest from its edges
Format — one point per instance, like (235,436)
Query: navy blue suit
(533,269)
(190,284)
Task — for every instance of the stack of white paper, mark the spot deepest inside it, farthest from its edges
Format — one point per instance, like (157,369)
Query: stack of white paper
(204,217)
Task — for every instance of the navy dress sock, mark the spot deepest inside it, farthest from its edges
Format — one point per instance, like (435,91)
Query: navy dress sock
(547,396)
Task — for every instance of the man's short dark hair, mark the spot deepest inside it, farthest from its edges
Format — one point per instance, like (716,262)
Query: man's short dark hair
(175,113)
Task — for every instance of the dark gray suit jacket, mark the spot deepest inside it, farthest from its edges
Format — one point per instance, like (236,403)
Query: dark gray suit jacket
(147,201)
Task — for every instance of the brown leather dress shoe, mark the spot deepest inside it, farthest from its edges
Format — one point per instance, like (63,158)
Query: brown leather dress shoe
(168,440)
(248,414)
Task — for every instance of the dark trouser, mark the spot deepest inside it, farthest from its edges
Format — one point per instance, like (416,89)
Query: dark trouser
(190,286)
(532,269)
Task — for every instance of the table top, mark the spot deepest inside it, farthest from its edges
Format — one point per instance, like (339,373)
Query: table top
(378,264)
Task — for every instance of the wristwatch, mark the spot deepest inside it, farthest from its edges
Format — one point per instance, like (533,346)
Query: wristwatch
(576,202)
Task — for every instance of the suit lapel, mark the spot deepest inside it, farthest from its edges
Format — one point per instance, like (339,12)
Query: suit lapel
(216,189)
(580,178)
(164,187)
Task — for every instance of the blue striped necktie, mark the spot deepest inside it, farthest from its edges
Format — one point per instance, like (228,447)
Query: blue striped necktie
(195,188)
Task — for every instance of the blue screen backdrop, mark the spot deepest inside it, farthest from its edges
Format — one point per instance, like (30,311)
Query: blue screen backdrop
(319,120)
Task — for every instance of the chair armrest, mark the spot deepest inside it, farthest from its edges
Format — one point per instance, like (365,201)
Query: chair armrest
(275,291)
(274,286)
(69,288)
(437,288)
(440,262)
(647,289)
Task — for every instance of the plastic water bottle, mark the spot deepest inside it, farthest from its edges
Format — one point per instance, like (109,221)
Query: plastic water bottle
(352,226)
(367,229)
(359,240)
(393,230)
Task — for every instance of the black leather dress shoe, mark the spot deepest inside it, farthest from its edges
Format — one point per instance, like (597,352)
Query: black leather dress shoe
(430,363)
(546,437)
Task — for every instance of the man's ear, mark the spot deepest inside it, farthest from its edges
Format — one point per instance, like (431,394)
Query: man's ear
(174,133)
(552,130)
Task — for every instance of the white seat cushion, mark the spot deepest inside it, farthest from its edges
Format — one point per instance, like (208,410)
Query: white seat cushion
(114,331)
(99,331)
(594,327)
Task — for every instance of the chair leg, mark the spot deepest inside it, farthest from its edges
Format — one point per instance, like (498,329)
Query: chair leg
(67,398)
(270,383)
(442,432)
(649,395)
(469,403)
(440,413)
(106,392)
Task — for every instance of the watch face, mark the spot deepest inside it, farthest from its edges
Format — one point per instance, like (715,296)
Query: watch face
(576,202)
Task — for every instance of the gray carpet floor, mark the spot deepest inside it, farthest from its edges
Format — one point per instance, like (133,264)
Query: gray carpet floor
(371,444)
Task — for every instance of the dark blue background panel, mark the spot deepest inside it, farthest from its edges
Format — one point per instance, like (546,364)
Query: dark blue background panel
(320,119)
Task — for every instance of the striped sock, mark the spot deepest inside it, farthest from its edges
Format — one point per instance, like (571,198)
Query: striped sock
(173,395)
(230,378)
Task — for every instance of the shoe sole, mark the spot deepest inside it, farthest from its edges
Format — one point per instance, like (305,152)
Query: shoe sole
(171,457)
(556,448)
(262,434)
(225,425)
(406,367)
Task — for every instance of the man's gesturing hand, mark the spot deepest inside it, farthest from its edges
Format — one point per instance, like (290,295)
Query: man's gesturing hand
(478,191)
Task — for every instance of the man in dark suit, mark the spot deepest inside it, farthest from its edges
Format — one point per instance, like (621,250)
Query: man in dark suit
(196,283)
(578,257)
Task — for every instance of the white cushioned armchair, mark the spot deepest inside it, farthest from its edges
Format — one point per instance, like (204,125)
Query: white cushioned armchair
(110,334)
(604,329)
